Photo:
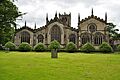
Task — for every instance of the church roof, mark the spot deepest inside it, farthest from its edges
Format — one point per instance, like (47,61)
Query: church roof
(41,28)
(71,28)
(24,27)
(94,17)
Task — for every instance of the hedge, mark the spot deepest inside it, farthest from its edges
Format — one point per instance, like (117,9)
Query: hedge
(11,46)
(105,48)
(88,47)
(24,46)
(40,47)
(71,47)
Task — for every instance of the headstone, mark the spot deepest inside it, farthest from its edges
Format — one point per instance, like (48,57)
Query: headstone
(54,53)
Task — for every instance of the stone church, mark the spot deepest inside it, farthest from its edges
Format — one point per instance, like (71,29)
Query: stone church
(91,29)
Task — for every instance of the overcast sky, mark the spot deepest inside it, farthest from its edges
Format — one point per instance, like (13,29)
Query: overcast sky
(37,9)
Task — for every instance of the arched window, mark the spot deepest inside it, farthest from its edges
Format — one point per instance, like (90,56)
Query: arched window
(25,37)
(56,33)
(98,38)
(85,37)
(72,38)
(92,28)
(40,38)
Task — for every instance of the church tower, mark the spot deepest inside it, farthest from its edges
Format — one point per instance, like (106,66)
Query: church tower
(65,18)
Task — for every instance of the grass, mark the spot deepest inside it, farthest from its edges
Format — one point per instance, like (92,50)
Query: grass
(77,66)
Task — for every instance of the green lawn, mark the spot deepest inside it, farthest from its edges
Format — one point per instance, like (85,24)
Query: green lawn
(77,66)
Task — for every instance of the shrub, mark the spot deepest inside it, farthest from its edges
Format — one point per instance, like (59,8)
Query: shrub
(88,47)
(71,47)
(40,47)
(105,47)
(11,46)
(118,47)
(114,47)
(1,47)
(24,46)
(54,45)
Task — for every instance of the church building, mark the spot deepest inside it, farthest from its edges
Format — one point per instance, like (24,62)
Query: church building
(91,29)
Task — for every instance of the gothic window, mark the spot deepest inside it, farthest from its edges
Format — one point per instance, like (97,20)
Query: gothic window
(92,28)
(40,38)
(56,33)
(98,39)
(25,37)
(72,38)
(85,38)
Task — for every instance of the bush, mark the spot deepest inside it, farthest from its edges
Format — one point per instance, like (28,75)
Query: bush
(114,47)
(1,47)
(118,47)
(88,47)
(105,47)
(40,47)
(54,45)
(71,47)
(24,46)
(11,46)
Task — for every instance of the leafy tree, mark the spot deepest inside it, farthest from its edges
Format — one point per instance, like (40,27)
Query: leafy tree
(118,47)
(54,45)
(113,32)
(8,15)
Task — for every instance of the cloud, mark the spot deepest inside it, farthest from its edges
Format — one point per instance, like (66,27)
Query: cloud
(37,9)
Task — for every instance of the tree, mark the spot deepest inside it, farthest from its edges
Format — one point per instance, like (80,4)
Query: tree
(113,32)
(8,15)
(9,0)
(54,45)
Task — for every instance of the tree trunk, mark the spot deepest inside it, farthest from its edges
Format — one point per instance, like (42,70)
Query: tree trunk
(54,53)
